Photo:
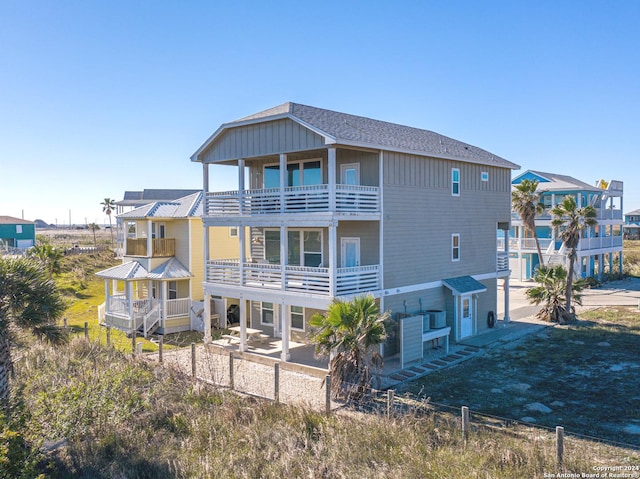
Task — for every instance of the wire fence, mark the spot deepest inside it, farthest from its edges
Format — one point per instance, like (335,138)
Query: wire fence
(294,384)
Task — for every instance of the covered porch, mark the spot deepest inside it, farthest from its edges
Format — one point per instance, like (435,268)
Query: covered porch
(137,300)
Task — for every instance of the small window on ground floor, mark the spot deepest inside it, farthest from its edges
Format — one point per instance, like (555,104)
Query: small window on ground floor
(297,318)
(266,313)
(173,290)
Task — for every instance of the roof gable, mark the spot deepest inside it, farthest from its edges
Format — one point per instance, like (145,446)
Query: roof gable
(10,220)
(555,182)
(353,130)
(186,207)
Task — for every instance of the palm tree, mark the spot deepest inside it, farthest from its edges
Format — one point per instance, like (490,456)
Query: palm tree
(108,205)
(526,202)
(349,333)
(49,256)
(29,301)
(93,227)
(572,221)
(551,291)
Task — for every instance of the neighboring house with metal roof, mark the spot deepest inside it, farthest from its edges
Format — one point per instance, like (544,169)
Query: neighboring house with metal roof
(339,205)
(16,235)
(600,248)
(136,199)
(631,225)
(158,287)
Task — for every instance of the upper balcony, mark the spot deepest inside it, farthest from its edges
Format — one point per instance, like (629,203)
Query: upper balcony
(160,247)
(350,199)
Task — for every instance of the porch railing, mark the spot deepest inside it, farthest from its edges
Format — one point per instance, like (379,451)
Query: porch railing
(304,279)
(178,307)
(161,247)
(297,199)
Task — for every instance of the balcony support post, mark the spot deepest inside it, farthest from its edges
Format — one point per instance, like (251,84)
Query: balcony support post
(284,254)
(333,259)
(243,324)
(332,177)
(506,279)
(240,186)
(286,331)
(283,180)
(149,239)
(207,319)
(163,311)
(129,296)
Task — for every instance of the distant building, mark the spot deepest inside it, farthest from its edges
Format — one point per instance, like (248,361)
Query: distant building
(598,246)
(16,235)
(631,225)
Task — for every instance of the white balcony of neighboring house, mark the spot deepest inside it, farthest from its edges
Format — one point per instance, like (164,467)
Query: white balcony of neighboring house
(299,279)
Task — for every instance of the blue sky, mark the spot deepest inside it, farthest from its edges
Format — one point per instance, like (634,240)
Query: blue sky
(100,97)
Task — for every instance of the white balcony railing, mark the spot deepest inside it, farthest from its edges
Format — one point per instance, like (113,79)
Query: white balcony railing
(298,199)
(178,307)
(303,279)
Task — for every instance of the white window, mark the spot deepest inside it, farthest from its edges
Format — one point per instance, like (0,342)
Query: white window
(455,181)
(233,231)
(297,318)
(19,229)
(484,176)
(455,247)
(158,230)
(173,290)
(304,247)
(266,313)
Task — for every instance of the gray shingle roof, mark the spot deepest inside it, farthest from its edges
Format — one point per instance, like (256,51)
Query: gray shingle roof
(633,213)
(361,131)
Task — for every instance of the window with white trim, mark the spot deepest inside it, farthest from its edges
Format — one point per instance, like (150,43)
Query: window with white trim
(484,176)
(455,181)
(297,318)
(19,229)
(455,247)
(266,313)
(304,247)
(299,173)
(173,289)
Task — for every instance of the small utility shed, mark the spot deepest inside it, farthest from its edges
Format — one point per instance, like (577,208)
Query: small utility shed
(16,233)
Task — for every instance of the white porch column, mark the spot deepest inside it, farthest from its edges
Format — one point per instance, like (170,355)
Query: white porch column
(240,185)
(163,299)
(286,333)
(242,253)
(106,296)
(507,278)
(207,252)
(207,319)
(284,256)
(129,296)
(149,238)
(333,259)
(331,176)
(283,179)
(243,324)
(205,185)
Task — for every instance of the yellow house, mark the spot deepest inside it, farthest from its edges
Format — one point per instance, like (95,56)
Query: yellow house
(158,286)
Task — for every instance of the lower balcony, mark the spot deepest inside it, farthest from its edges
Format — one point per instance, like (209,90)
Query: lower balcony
(299,279)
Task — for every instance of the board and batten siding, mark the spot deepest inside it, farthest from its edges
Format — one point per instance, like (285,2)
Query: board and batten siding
(420,215)
(270,138)
(368,161)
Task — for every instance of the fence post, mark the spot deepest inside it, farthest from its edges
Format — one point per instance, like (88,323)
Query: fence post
(160,345)
(231,370)
(276,382)
(86,331)
(108,336)
(139,348)
(66,325)
(327,390)
(559,444)
(465,422)
(390,394)
(193,360)
(133,342)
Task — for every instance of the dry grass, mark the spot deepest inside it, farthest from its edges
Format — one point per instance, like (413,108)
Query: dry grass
(122,418)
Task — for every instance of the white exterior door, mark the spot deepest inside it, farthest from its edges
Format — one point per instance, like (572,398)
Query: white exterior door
(350,252)
(350,174)
(466,316)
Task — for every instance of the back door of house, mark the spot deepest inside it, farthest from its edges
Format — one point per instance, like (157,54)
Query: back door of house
(466,316)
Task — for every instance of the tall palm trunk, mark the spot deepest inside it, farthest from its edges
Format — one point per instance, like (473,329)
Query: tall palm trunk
(540,259)
(569,289)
